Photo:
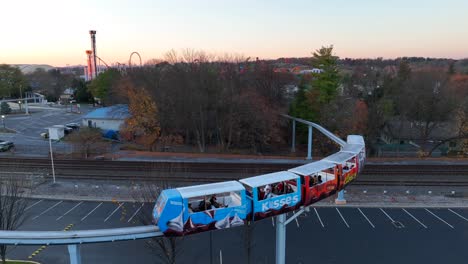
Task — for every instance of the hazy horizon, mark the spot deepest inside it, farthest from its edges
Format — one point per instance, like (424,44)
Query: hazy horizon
(55,32)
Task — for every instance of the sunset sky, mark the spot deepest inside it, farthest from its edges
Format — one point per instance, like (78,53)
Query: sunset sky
(55,32)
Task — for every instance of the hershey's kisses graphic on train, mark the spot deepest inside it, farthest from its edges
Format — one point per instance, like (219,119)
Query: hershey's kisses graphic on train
(199,208)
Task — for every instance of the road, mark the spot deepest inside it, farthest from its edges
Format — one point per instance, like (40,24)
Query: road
(323,235)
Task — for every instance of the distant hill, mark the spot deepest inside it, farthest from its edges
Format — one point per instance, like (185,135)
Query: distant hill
(29,68)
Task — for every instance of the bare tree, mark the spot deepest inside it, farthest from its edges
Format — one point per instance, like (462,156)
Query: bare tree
(88,141)
(13,194)
(167,248)
(461,121)
(247,238)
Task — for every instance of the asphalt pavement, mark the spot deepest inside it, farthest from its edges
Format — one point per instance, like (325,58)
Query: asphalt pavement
(28,128)
(397,232)
(322,235)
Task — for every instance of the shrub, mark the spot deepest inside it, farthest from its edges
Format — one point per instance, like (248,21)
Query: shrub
(5,108)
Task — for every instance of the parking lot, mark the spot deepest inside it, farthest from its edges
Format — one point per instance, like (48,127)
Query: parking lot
(326,234)
(28,128)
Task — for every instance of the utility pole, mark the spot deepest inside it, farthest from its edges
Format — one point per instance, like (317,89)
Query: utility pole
(52,158)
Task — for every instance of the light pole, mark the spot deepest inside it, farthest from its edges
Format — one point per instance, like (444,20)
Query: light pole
(19,103)
(52,157)
(3,121)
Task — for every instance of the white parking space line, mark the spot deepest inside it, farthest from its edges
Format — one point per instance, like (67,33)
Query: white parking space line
(50,208)
(33,205)
(391,219)
(436,216)
(60,217)
(346,223)
(91,212)
(318,216)
(136,212)
(412,216)
(366,218)
(461,216)
(120,205)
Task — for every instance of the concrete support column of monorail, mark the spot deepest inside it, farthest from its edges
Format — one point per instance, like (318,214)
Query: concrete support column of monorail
(281,239)
(341,198)
(26,107)
(309,144)
(75,256)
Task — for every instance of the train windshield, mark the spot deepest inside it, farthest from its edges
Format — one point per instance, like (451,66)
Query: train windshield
(160,203)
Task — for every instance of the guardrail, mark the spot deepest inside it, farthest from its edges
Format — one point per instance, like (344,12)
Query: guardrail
(77,237)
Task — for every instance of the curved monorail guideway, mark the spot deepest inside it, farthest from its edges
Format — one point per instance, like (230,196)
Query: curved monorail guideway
(199,208)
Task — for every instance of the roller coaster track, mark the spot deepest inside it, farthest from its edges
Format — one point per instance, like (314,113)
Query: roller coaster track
(204,172)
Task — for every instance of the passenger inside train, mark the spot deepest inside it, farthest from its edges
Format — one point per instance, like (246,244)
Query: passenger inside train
(268,192)
(214,201)
(272,190)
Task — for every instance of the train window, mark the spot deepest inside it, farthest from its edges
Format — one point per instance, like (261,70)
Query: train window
(234,199)
(249,190)
(196,204)
(278,188)
(214,201)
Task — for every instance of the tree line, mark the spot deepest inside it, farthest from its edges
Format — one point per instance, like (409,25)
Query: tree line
(225,103)
(231,103)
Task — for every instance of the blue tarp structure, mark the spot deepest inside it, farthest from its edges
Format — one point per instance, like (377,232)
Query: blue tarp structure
(111,134)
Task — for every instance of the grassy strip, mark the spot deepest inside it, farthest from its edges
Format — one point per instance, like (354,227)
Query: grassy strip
(20,262)
(6,130)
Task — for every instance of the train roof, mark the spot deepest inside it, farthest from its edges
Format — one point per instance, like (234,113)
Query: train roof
(355,139)
(339,157)
(352,148)
(270,178)
(208,189)
(313,167)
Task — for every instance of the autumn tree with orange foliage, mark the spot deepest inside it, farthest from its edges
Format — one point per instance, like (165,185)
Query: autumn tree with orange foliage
(142,126)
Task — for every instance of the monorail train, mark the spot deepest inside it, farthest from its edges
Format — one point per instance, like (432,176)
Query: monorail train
(193,209)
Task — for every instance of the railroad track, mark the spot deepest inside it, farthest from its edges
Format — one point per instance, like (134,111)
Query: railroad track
(201,172)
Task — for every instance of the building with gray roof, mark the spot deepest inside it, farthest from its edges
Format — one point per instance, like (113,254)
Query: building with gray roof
(109,119)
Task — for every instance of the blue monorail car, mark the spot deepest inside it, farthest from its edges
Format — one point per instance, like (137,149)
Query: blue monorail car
(213,206)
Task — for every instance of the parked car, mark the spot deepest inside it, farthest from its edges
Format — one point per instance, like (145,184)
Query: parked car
(6,145)
(67,130)
(73,125)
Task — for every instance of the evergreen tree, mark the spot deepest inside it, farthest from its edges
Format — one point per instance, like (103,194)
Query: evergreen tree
(301,106)
(327,81)
(5,108)
(404,71)
(451,69)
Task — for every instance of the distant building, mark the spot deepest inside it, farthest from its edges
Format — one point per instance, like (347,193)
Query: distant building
(35,98)
(67,96)
(87,76)
(108,119)
(310,71)
(56,132)
(405,139)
